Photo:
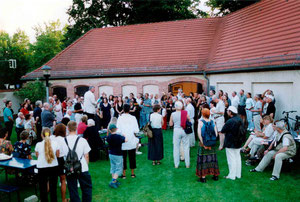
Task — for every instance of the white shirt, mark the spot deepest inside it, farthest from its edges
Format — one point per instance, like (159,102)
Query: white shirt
(269,132)
(61,142)
(82,149)
(139,100)
(155,119)
(235,101)
(127,125)
(191,111)
(249,103)
(220,107)
(164,112)
(41,161)
(27,124)
(18,121)
(89,104)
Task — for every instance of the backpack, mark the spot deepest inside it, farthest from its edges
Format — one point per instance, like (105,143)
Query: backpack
(72,163)
(240,139)
(209,136)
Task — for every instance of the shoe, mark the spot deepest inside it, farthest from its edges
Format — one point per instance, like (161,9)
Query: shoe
(113,185)
(274,178)
(203,180)
(133,176)
(138,153)
(253,170)
(248,163)
(215,178)
(123,177)
(118,183)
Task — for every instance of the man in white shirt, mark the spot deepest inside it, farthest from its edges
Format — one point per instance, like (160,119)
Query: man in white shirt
(127,125)
(235,99)
(283,147)
(90,103)
(191,112)
(82,151)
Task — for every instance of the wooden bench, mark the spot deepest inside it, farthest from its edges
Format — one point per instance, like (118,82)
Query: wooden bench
(9,189)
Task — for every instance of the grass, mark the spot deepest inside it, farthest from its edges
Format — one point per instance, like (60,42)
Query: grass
(165,183)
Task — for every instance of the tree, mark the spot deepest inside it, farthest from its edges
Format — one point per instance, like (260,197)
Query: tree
(49,42)
(34,91)
(15,47)
(227,6)
(87,14)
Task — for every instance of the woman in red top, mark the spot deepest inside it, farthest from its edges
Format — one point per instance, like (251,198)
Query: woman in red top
(82,125)
(24,109)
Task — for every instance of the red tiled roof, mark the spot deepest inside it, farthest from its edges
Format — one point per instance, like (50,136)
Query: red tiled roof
(264,33)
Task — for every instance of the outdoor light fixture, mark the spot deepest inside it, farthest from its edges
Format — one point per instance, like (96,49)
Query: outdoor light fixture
(46,72)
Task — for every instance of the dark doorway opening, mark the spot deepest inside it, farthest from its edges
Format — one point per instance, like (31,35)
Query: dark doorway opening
(81,90)
(61,92)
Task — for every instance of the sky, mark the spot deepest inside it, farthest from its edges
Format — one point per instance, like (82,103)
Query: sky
(25,14)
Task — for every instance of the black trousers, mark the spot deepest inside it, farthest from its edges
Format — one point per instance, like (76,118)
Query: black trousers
(132,159)
(9,126)
(39,132)
(19,131)
(48,175)
(90,116)
(85,182)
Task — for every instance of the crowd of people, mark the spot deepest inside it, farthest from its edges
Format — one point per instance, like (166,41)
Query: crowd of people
(60,128)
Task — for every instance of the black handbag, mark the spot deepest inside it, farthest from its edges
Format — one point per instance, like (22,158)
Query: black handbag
(188,127)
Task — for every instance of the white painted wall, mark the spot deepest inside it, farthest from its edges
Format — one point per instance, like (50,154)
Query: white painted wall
(285,85)
(126,90)
(151,89)
(10,96)
(109,90)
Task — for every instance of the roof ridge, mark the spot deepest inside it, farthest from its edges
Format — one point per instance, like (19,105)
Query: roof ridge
(161,22)
(61,52)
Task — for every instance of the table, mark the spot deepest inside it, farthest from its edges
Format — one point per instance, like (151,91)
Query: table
(17,164)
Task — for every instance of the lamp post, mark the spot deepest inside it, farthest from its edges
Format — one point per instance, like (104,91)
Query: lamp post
(46,72)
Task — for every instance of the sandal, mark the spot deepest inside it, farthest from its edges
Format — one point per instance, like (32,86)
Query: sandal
(133,176)
(158,163)
(153,163)
(123,176)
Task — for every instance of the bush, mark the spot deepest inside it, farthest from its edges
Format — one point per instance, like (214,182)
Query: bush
(32,90)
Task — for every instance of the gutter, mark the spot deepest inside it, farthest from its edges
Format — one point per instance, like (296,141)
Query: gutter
(118,75)
(293,66)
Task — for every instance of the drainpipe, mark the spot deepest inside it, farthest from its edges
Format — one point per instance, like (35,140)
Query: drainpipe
(207,83)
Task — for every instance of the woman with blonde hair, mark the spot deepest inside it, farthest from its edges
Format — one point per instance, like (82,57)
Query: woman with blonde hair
(47,152)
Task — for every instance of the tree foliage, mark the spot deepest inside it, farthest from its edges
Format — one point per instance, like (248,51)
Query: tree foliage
(49,42)
(88,14)
(15,47)
(227,6)
(35,90)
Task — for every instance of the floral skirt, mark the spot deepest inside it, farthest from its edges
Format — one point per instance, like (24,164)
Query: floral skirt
(207,162)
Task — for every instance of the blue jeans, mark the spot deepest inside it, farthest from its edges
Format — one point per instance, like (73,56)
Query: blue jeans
(85,182)
(142,120)
(250,119)
(116,164)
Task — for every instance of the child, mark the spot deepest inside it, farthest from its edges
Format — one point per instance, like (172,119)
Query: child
(21,148)
(115,154)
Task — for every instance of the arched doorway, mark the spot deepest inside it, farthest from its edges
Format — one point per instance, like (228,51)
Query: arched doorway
(81,90)
(187,87)
(60,91)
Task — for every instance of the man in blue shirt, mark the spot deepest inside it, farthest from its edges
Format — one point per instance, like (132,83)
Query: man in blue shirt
(8,118)
(47,117)
(147,107)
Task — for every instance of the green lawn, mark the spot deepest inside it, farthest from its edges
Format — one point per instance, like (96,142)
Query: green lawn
(165,183)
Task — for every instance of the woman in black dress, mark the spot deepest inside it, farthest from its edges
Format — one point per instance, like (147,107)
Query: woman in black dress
(105,113)
(119,107)
(155,144)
